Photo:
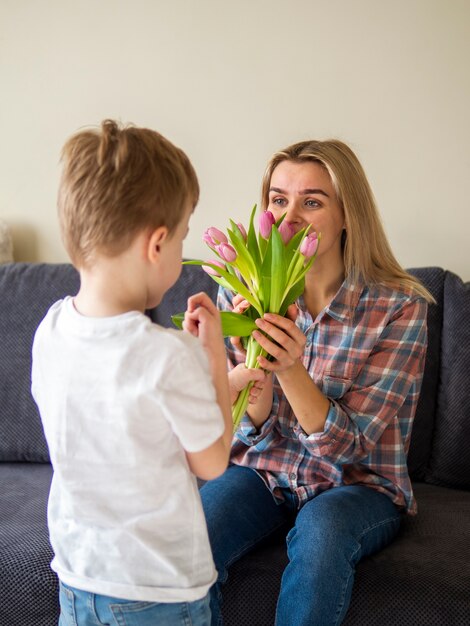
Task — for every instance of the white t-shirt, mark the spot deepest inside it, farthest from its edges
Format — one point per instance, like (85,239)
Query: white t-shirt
(121,399)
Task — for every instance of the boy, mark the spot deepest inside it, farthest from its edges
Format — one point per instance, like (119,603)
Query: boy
(131,411)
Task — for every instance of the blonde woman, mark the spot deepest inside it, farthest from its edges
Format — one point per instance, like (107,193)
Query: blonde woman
(322,448)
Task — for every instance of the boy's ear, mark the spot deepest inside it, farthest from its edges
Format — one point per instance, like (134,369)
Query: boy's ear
(155,242)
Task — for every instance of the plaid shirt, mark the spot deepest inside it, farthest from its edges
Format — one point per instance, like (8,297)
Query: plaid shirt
(365,351)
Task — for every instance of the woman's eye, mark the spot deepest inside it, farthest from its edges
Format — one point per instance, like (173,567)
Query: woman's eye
(312,204)
(278,201)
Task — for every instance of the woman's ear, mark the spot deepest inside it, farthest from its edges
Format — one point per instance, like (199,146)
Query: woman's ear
(155,242)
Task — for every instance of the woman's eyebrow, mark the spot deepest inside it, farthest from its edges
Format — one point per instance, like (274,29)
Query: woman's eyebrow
(303,192)
(307,192)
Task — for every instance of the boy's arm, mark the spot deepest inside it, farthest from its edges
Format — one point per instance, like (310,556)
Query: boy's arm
(202,319)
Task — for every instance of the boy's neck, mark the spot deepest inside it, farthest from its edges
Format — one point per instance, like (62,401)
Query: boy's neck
(112,286)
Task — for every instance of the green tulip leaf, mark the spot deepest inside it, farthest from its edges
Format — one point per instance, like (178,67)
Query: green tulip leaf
(177,320)
(245,261)
(230,282)
(278,270)
(252,241)
(233,324)
(294,292)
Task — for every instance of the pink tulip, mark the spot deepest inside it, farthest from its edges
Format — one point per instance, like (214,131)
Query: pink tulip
(309,245)
(227,252)
(287,231)
(208,240)
(211,270)
(213,236)
(242,230)
(266,221)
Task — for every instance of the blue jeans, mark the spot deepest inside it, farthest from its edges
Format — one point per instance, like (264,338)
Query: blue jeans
(325,540)
(82,608)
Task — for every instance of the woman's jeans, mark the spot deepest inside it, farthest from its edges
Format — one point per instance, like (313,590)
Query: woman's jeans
(327,538)
(81,608)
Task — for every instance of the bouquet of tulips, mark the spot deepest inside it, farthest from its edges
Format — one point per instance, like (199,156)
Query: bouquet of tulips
(266,268)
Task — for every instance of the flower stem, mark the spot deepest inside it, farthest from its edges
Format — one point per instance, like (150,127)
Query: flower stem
(251,361)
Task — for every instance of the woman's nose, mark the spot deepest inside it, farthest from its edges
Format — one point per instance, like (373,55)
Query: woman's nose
(293,214)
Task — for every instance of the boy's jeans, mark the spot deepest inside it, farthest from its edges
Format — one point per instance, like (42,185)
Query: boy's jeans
(81,608)
(327,538)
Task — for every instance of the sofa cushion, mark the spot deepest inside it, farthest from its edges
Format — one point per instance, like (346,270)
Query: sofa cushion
(450,456)
(28,586)
(423,425)
(28,290)
(420,579)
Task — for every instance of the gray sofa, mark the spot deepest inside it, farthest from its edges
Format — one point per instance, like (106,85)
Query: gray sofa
(422,579)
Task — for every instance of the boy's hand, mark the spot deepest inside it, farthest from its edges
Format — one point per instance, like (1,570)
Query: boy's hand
(202,319)
(239,377)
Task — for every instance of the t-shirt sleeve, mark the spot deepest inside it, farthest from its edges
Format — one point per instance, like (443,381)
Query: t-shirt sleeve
(189,397)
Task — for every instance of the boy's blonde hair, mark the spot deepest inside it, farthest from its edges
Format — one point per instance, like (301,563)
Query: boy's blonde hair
(117,181)
(367,255)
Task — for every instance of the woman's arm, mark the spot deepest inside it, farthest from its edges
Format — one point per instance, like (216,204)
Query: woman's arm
(308,403)
(347,428)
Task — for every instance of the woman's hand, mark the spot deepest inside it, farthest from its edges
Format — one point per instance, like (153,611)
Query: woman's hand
(285,342)
(240,305)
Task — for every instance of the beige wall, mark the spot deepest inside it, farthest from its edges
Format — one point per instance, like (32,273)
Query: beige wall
(231,82)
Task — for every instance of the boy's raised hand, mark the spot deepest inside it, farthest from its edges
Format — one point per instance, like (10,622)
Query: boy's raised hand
(202,319)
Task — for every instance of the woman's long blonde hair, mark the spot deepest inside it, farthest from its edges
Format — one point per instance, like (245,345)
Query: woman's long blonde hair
(367,255)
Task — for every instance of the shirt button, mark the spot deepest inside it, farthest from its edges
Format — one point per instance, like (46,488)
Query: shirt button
(292,476)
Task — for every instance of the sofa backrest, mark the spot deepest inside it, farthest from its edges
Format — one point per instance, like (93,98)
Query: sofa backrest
(193,279)
(439,451)
(26,293)
(449,462)
(433,279)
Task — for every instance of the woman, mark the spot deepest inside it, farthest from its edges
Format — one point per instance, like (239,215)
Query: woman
(323,444)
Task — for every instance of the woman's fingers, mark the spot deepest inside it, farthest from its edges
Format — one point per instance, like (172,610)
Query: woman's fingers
(240,305)
(284,324)
(283,331)
(284,341)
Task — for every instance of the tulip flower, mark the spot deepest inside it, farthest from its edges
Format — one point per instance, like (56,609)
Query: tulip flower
(287,231)
(309,245)
(226,252)
(208,240)
(242,230)
(267,269)
(266,222)
(210,270)
(213,236)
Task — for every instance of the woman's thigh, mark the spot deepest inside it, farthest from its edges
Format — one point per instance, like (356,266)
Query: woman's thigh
(332,533)
(360,517)
(240,512)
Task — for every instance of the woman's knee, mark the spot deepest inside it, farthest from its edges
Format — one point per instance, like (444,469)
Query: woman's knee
(348,522)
